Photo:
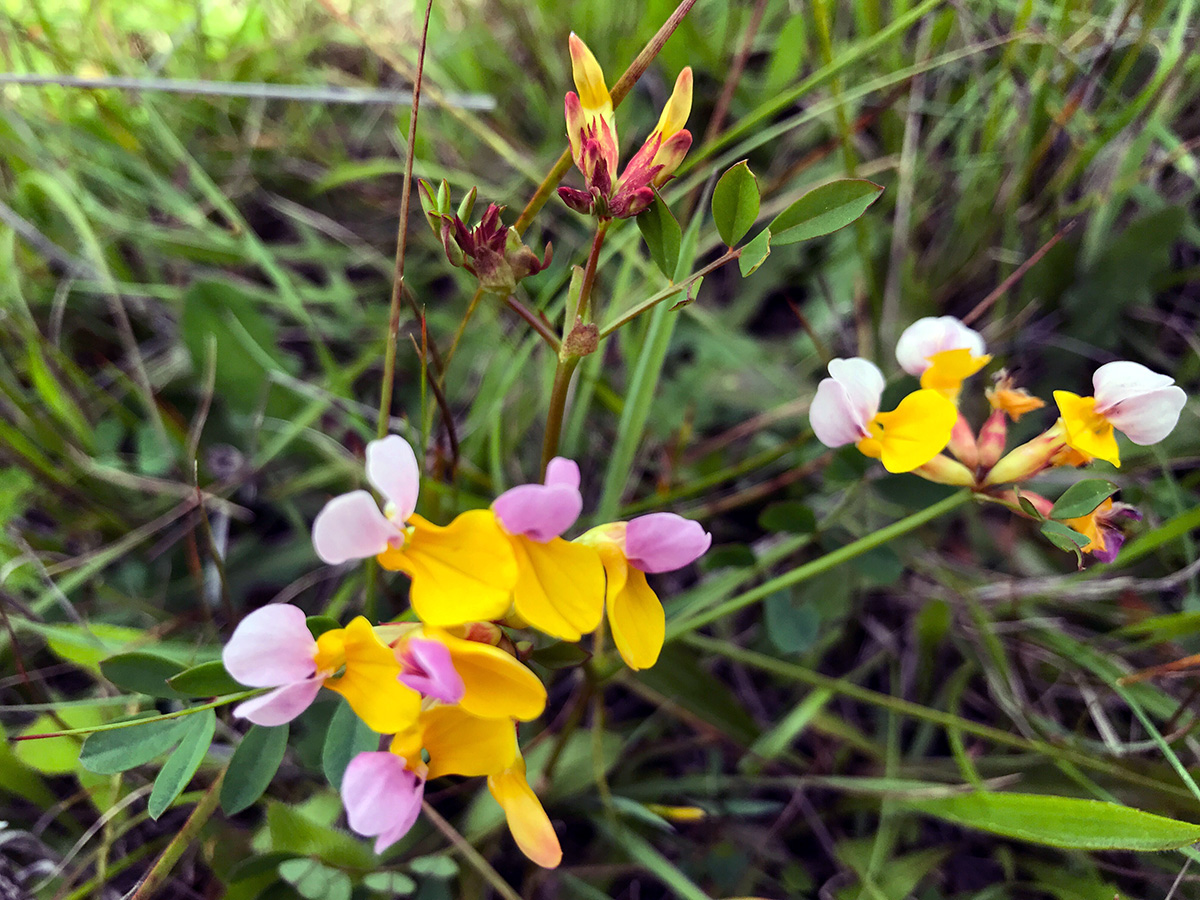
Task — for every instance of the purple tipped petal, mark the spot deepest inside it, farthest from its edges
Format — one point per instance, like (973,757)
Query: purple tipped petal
(425,666)
(392,468)
(280,705)
(541,512)
(352,527)
(382,797)
(663,542)
(270,647)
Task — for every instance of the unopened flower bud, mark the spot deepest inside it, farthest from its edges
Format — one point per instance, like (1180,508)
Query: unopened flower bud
(992,438)
(943,470)
(962,443)
(1028,459)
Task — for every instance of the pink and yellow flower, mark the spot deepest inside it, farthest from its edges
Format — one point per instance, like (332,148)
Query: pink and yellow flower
(462,572)
(592,132)
(560,586)
(942,352)
(383,790)
(845,410)
(272,647)
(1100,527)
(1128,397)
(659,542)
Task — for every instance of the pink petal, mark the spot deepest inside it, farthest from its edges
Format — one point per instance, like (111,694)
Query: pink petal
(270,647)
(541,512)
(1122,380)
(846,402)
(280,705)
(427,669)
(663,542)
(1141,403)
(934,334)
(382,797)
(392,468)
(352,527)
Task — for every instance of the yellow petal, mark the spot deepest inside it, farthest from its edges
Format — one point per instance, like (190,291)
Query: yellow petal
(497,685)
(369,681)
(1089,526)
(589,80)
(638,623)
(462,744)
(560,587)
(948,370)
(1087,431)
(527,820)
(675,113)
(460,573)
(913,433)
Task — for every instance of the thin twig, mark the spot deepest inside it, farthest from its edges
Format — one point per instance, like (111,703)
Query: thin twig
(481,865)
(721,108)
(389,360)
(985,304)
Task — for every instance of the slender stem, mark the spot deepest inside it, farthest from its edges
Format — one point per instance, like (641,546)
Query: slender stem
(462,327)
(634,311)
(389,357)
(619,90)
(589,274)
(544,331)
(481,865)
(191,828)
(114,726)
(819,565)
(558,404)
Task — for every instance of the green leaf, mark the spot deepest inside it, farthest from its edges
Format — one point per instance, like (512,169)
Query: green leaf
(1082,498)
(560,655)
(121,749)
(392,884)
(755,253)
(437,865)
(294,832)
(1026,504)
(662,235)
(824,210)
(788,515)
(735,203)
(205,680)
(1065,822)
(347,737)
(315,881)
(254,764)
(792,627)
(182,764)
(142,673)
(1065,538)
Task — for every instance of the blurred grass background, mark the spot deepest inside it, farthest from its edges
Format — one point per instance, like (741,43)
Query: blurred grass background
(194,291)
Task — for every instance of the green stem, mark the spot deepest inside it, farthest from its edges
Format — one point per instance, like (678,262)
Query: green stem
(589,275)
(558,405)
(191,828)
(820,565)
(670,291)
(113,726)
(481,865)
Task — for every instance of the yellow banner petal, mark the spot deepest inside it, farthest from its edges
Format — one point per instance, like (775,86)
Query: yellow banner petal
(913,433)
(461,573)
(462,744)
(1087,431)
(560,587)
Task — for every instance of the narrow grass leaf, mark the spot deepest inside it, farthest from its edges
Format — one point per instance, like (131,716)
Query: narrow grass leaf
(1066,822)
(254,764)
(823,210)
(182,764)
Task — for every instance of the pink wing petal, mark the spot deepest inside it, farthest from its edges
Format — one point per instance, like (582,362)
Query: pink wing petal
(270,647)
(382,797)
(1123,380)
(427,669)
(280,705)
(663,542)
(542,512)
(863,383)
(1148,418)
(846,402)
(934,334)
(392,468)
(351,527)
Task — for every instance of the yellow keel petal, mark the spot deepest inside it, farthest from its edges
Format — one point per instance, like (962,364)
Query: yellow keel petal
(638,622)
(527,820)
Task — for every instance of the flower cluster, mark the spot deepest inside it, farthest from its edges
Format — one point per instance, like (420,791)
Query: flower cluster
(449,689)
(592,132)
(943,352)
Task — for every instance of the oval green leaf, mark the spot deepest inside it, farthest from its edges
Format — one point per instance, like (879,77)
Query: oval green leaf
(1066,822)
(755,253)
(121,749)
(141,673)
(824,210)
(205,680)
(254,764)
(735,203)
(662,234)
(1082,498)
(183,763)
(347,737)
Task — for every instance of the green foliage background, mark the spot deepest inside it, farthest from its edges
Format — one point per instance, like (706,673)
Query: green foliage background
(194,290)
